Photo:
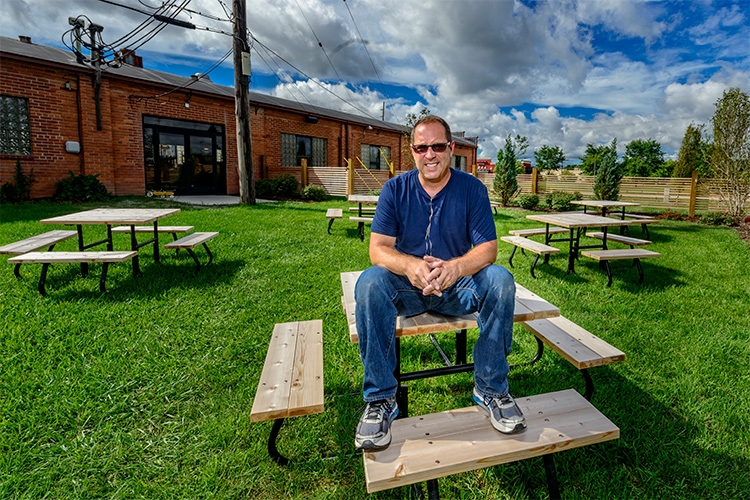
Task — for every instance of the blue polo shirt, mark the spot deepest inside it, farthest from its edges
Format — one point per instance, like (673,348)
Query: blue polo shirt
(461,215)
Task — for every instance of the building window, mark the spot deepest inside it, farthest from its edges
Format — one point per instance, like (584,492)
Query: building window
(15,127)
(459,163)
(374,157)
(295,148)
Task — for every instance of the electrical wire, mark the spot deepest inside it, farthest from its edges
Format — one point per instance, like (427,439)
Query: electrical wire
(377,74)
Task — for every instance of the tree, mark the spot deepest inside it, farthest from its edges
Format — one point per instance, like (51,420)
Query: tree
(411,120)
(549,158)
(730,160)
(592,158)
(642,158)
(694,154)
(608,175)
(505,183)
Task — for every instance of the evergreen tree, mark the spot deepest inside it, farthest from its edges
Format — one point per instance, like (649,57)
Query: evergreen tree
(608,175)
(694,154)
(505,183)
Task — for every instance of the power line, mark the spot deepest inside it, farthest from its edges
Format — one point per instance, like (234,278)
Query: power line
(312,79)
(385,93)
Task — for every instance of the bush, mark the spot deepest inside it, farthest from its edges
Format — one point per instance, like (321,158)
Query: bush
(20,188)
(717,219)
(528,201)
(265,188)
(286,185)
(81,188)
(313,192)
(560,200)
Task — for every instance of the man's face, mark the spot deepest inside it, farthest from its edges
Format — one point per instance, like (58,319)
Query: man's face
(433,167)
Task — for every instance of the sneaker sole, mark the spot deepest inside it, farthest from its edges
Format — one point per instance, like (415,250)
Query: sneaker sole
(370,445)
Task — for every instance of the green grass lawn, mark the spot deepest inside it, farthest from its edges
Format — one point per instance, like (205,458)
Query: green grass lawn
(145,391)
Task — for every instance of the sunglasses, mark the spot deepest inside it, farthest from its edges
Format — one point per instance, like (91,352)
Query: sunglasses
(438,147)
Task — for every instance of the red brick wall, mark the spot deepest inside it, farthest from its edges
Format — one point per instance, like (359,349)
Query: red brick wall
(115,153)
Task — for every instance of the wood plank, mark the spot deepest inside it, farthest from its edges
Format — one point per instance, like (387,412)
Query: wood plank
(111,216)
(450,442)
(191,240)
(360,219)
(90,257)
(530,245)
(36,242)
(628,240)
(306,391)
(272,397)
(618,254)
(334,213)
(580,347)
(537,231)
(538,307)
(150,229)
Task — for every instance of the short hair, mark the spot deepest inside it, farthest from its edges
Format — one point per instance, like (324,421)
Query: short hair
(433,119)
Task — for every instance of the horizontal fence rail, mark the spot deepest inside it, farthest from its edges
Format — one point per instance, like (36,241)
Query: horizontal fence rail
(662,193)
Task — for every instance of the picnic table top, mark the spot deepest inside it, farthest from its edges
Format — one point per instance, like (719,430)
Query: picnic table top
(575,220)
(111,216)
(362,198)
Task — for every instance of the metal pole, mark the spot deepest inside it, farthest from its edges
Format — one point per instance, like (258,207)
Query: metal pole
(242,107)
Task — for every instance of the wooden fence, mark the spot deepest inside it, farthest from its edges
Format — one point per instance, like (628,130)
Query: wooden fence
(662,193)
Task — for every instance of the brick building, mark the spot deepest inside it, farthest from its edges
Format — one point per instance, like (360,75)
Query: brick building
(156,131)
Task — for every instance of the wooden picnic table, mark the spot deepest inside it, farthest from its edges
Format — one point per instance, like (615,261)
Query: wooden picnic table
(576,222)
(113,216)
(605,205)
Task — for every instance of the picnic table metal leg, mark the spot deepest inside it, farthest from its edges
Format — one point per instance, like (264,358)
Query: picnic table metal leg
(534,264)
(210,255)
(81,248)
(609,272)
(272,450)
(195,258)
(43,278)
(512,253)
(330,223)
(134,246)
(640,270)
(589,384)
(433,491)
(572,252)
(105,266)
(17,271)
(549,469)
(156,241)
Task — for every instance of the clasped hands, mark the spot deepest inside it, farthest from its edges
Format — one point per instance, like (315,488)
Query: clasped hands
(434,275)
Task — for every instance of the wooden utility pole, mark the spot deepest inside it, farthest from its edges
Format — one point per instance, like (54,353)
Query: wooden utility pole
(242,106)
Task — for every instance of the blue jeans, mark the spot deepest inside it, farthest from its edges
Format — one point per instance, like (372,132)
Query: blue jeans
(382,296)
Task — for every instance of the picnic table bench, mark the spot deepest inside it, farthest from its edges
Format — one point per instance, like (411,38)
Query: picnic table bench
(47,258)
(533,246)
(332,214)
(604,256)
(191,241)
(291,383)
(45,240)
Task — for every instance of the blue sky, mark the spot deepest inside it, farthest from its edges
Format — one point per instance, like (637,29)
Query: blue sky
(562,73)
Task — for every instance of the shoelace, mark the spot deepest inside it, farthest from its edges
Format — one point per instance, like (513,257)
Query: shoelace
(373,410)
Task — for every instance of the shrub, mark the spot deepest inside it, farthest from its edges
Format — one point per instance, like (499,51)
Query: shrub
(528,201)
(81,188)
(718,219)
(670,215)
(265,188)
(286,185)
(560,200)
(313,192)
(20,188)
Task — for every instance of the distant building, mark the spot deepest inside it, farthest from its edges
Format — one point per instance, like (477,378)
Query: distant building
(156,131)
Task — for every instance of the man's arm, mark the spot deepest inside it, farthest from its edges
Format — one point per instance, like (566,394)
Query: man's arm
(430,274)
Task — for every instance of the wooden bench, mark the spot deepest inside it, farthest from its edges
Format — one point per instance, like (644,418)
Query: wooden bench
(46,240)
(537,231)
(191,241)
(604,256)
(533,246)
(363,209)
(332,214)
(581,348)
(627,240)
(47,258)
(643,220)
(361,225)
(291,383)
(495,205)
(428,447)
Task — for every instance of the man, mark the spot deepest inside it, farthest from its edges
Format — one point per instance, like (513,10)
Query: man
(432,245)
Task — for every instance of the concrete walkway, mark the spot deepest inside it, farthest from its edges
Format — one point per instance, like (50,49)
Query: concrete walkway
(214,200)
